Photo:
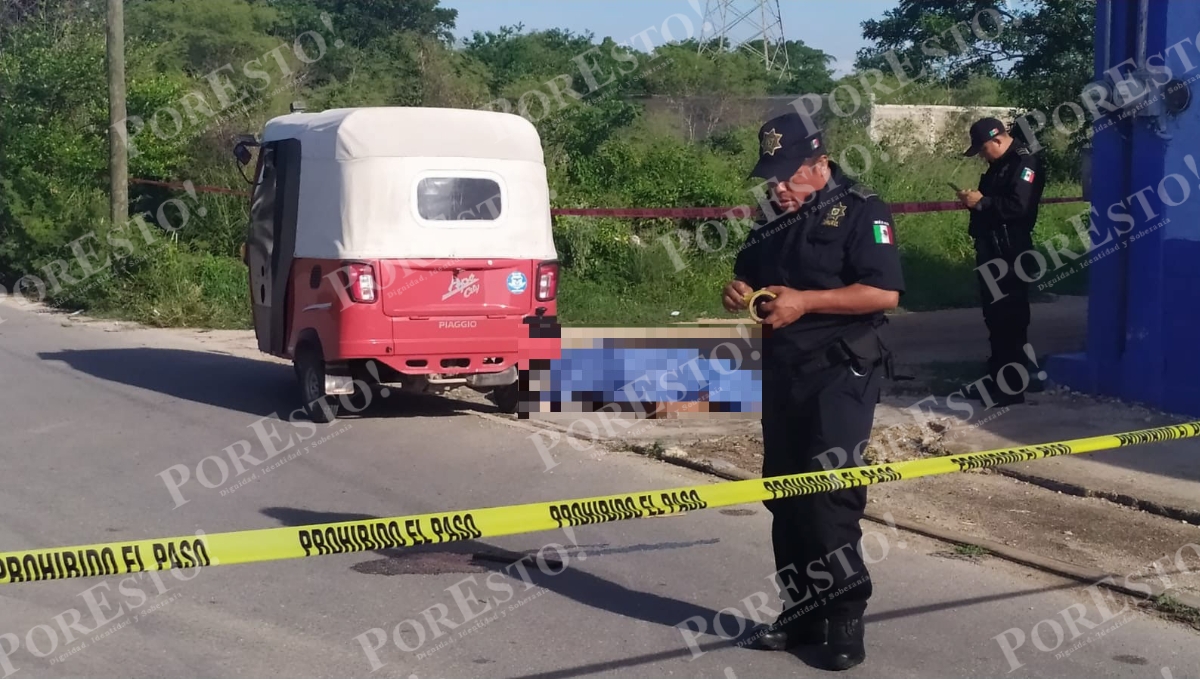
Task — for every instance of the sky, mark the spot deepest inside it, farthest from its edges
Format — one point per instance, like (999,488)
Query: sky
(829,25)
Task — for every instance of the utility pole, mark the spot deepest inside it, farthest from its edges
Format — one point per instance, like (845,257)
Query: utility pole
(118,157)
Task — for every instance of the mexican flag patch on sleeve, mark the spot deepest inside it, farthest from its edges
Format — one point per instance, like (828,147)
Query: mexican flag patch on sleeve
(1027,175)
(883,232)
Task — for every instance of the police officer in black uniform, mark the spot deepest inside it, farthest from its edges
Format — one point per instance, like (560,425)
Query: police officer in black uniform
(1003,213)
(826,247)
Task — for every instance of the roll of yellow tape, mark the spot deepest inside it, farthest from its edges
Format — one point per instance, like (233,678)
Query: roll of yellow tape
(752,300)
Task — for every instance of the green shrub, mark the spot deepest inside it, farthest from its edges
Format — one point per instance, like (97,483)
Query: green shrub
(166,284)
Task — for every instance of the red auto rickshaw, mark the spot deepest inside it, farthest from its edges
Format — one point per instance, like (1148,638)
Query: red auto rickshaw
(410,247)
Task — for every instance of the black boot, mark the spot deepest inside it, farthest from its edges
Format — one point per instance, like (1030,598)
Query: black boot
(779,637)
(847,648)
(971,391)
(1004,399)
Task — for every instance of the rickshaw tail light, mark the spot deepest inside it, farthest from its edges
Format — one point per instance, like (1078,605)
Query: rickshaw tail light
(547,279)
(362,282)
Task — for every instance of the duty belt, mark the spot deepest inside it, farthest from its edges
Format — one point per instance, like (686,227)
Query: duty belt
(834,355)
(861,349)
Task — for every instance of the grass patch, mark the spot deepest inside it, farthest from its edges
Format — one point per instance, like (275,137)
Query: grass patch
(168,285)
(655,450)
(620,272)
(1177,611)
(969,550)
(938,258)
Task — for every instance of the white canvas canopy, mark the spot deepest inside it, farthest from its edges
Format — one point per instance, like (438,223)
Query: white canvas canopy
(361,168)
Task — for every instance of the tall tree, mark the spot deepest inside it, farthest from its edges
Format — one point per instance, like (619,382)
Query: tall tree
(1041,50)
(511,54)
(384,53)
(1057,53)
(808,70)
(362,22)
(704,86)
(197,36)
(53,118)
(1045,46)
(15,13)
(944,38)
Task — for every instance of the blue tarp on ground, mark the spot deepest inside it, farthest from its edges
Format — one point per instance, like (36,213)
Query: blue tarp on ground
(652,375)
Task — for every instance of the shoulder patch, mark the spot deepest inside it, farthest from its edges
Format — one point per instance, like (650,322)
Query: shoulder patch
(861,192)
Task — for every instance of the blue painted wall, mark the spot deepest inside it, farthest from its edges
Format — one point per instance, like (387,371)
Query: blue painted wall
(1144,321)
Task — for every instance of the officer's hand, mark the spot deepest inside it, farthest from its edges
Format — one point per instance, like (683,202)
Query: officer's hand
(735,296)
(970,198)
(787,306)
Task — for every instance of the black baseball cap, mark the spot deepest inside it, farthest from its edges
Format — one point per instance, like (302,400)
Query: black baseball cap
(981,132)
(784,143)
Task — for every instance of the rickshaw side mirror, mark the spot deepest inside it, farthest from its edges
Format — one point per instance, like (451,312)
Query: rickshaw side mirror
(241,148)
(243,155)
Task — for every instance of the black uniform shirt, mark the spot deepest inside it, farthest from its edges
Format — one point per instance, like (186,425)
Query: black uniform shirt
(1011,188)
(843,235)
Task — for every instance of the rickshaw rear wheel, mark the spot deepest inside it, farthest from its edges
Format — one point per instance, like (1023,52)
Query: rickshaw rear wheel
(310,370)
(507,397)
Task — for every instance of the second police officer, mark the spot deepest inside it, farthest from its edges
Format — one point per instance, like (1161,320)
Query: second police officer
(826,249)
(1003,213)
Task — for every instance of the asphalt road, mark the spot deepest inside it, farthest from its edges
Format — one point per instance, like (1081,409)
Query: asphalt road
(92,419)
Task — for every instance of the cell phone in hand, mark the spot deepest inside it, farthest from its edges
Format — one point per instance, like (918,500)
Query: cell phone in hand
(954,186)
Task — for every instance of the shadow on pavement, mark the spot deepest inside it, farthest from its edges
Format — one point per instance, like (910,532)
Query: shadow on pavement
(573,584)
(809,655)
(237,383)
(599,593)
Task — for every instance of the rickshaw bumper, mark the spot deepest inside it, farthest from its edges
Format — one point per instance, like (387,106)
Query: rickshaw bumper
(506,377)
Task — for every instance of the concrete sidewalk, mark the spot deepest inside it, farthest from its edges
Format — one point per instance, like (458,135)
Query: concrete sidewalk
(960,335)
(1163,477)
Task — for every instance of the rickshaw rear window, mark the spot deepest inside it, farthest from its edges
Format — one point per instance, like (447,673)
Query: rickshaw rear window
(441,199)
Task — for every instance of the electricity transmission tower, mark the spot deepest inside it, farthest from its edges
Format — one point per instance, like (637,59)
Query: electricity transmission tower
(753,25)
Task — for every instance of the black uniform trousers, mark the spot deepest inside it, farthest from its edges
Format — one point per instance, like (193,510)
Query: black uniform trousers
(1007,319)
(816,537)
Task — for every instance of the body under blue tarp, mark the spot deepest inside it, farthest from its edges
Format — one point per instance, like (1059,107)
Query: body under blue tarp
(652,375)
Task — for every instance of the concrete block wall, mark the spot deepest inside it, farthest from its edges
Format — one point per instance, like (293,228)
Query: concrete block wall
(914,124)
(927,125)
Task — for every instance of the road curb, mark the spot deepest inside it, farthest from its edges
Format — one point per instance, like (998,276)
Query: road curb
(1168,511)
(1050,565)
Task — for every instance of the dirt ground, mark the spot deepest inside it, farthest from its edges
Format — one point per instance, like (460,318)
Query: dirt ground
(1089,532)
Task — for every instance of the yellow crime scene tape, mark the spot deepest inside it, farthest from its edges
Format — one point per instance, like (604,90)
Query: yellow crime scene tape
(260,545)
